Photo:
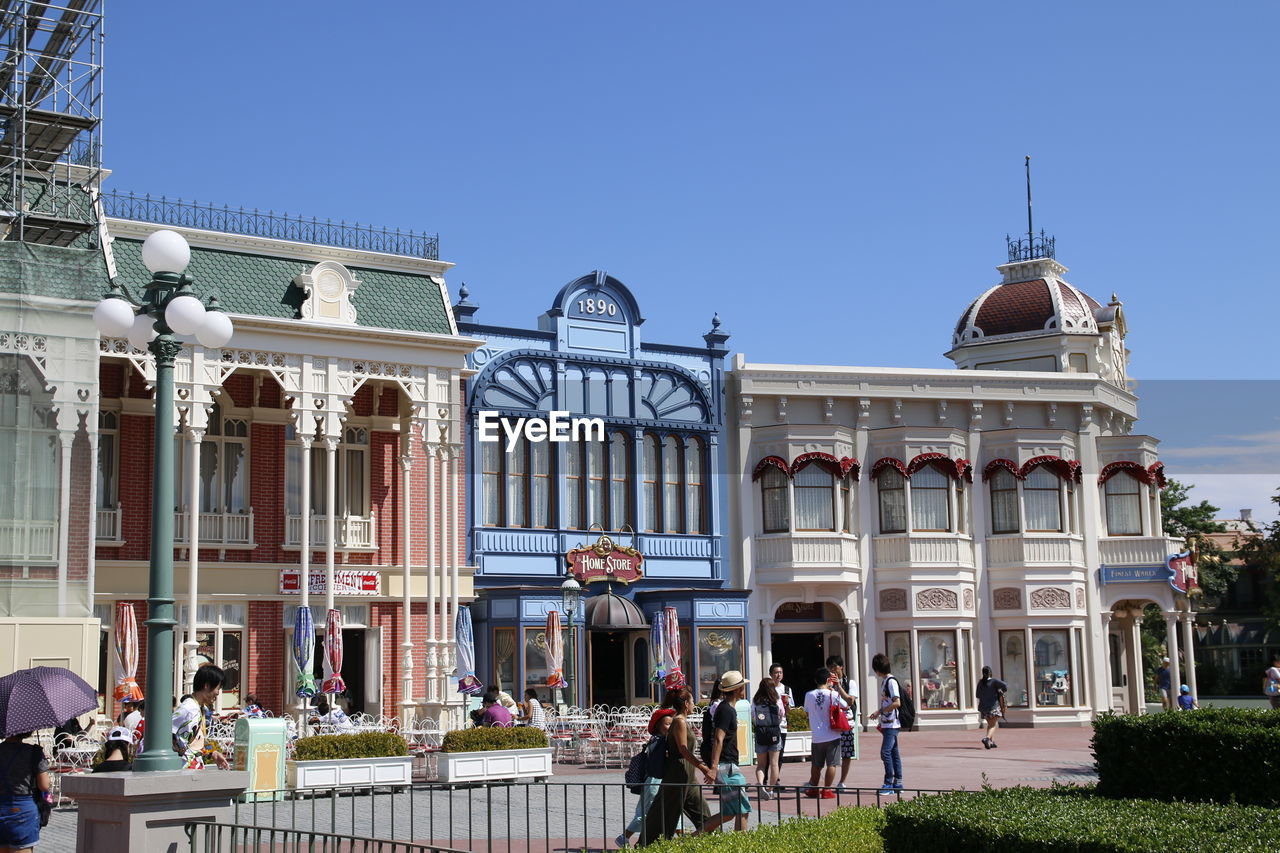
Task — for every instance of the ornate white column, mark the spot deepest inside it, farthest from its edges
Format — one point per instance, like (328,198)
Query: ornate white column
(432,532)
(407,704)
(1103,701)
(192,645)
(66,439)
(1175,666)
(1189,651)
(451,532)
(304,540)
(1137,679)
(331,520)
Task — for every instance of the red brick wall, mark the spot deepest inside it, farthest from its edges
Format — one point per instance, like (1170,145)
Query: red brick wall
(264,660)
(81,509)
(135,488)
(266,493)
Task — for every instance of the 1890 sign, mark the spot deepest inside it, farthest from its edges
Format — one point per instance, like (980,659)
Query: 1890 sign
(605,561)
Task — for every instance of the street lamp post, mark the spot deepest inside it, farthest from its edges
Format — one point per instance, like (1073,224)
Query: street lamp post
(169,308)
(570,596)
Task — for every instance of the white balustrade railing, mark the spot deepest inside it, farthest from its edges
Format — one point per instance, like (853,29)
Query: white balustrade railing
(1137,550)
(108,524)
(24,540)
(784,551)
(922,549)
(1013,551)
(352,531)
(216,528)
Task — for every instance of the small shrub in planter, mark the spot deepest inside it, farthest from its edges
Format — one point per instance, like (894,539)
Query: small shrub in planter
(1210,755)
(797,720)
(363,745)
(488,738)
(846,830)
(1064,819)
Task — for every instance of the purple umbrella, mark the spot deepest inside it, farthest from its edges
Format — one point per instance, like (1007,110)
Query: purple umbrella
(43,697)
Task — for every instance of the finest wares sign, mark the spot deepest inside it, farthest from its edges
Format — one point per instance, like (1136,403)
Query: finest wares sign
(605,561)
(345,582)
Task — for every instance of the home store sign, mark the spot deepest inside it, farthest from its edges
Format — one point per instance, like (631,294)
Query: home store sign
(605,560)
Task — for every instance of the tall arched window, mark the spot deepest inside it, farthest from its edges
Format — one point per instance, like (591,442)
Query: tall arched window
(773,499)
(652,471)
(1004,502)
(619,481)
(815,499)
(672,514)
(1124,505)
(930,500)
(694,490)
(1042,493)
(892,492)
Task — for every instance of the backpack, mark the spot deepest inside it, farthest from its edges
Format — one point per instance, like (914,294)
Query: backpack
(906,705)
(767,724)
(708,733)
(635,777)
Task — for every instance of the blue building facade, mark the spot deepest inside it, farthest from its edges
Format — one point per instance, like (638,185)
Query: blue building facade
(655,481)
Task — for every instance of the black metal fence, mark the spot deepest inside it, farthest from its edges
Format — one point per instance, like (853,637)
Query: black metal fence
(529,818)
(207,837)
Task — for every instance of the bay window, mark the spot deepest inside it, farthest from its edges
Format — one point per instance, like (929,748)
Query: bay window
(930,500)
(773,498)
(1123,496)
(1042,493)
(815,498)
(1013,668)
(891,488)
(1004,502)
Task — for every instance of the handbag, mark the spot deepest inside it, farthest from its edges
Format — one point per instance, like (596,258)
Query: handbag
(838,719)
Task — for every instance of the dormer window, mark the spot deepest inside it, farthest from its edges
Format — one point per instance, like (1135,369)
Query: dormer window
(329,286)
(1123,495)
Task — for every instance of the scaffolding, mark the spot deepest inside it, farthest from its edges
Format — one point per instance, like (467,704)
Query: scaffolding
(50,121)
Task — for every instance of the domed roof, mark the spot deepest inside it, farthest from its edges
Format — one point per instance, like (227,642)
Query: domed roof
(611,612)
(1029,308)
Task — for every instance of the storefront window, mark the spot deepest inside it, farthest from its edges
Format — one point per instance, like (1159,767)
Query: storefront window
(535,667)
(939,682)
(1052,667)
(504,659)
(967,697)
(898,647)
(719,650)
(1013,667)
(642,669)
(218,638)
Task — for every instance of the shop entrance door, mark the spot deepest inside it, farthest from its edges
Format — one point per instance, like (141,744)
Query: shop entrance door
(800,655)
(353,670)
(610,665)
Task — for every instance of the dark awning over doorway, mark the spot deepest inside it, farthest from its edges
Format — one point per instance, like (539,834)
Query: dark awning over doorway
(609,612)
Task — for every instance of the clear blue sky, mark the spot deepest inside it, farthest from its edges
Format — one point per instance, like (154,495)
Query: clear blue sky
(836,179)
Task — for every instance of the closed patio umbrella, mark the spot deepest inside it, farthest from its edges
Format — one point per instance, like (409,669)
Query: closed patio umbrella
(555,652)
(657,632)
(333,682)
(466,649)
(671,649)
(127,654)
(304,644)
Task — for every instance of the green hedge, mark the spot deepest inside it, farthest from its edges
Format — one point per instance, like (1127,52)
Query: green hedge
(1211,755)
(363,745)
(846,830)
(494,737)
(1059,820)
(797,720)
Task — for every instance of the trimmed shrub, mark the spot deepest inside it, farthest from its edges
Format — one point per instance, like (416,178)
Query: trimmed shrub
(1058,820)
(846,830)
(494,737)
(797,720)
(362,745)
(1211,755)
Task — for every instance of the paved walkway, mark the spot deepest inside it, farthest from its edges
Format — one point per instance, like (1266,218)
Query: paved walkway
(589,807)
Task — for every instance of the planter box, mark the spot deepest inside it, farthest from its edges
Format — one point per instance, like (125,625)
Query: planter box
(498,764)
(799,745)
(344,772)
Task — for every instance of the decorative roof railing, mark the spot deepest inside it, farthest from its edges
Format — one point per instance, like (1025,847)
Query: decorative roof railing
(272,225)
(1030,248)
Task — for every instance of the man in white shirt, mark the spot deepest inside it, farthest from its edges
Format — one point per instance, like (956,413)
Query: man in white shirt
(826,742)
(786,699)
(848,690)
(890,702)
(333,716)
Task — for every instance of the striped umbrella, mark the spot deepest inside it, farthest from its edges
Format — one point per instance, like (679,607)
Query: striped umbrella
(671,649)
(656,632)
(333,682)
(126,654)
(555,652)
(304,645)
(43,697)
(466,646)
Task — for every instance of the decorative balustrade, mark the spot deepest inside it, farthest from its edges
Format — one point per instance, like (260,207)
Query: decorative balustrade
(1137,550)
(1013,551)
(788,551)
(24,540)
(351,532)
(216,528)
(107,527)
(903,550)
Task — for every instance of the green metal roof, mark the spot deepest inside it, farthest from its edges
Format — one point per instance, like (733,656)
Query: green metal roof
(36,270)
(263,286)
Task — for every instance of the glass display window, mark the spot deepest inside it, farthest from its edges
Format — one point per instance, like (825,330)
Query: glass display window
(1013,667)
(504,659)
(535,667)
(898,647)
(719,650)
(1052,666)
(939,681)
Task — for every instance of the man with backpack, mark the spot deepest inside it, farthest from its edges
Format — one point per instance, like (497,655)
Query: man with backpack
(895,712)
(827,719)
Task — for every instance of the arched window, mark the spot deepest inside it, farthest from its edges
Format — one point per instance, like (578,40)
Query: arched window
(672,515)
(574,474)
(619,481)
(1124,505)
(1004,502)
(773,499)
(1042,493)
(815,499)
(517,485)
(540,484)
(652,470)
(930,500)
(694,491)
(891,489)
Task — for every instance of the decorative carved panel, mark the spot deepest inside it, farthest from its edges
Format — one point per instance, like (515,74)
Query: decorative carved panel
(1050,598)
(893,599)
(1079,598)
(937,598)
(1007,598)
(968,598)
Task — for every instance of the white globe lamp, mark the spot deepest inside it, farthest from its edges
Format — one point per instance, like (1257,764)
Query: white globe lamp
(216,329)
(184,314)
(113,317)
(166,251)
(142,331)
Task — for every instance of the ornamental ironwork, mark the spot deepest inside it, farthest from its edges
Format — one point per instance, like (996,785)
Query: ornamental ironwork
(1030,248)
(937,598)
(272,225)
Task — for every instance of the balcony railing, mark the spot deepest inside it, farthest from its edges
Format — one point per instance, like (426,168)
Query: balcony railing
(216,528)
(806,557)
(1137,550)
(108,524)
(1014,551)
(24,540)
(902,550)
(353,532)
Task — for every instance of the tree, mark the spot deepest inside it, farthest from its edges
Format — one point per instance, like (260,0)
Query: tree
(1263,552)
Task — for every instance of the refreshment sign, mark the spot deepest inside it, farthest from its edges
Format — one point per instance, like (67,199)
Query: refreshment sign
(345,582)
(605,561)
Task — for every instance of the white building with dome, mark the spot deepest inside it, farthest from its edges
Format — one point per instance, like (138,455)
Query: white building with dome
(1000,513)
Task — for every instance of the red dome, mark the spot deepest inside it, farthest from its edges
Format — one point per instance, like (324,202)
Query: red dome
(1041,306)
